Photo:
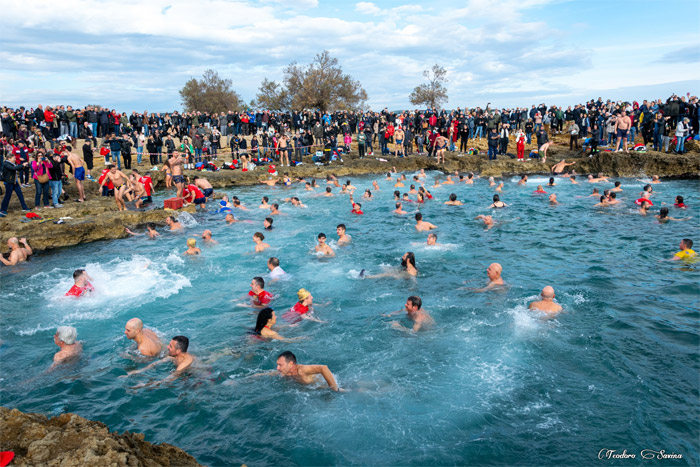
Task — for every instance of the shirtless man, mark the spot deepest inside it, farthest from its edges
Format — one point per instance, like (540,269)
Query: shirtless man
(423,226)
(399,209)
(553,199)
(547,303)
(398,141)
(173,223)
(230,219)
(469,180)
(622,128)
(65,338)
(305,374)
(137,190)
(207,238)
(323,247)
(494,274)
(275,209)
(175,163)
(120,182)
(449,181)
(264,204)
(617,188)
(598,179)
(296,202)
(177,354)
(398,183)
(440,148)
(18,254)
(204,185)
(150,231)
(259,244)
(560,166)
(432,240)
(453,201)
(523,180)
(343,238)
(147,340)
(421,318)
(270,182)
(76,162)
(487,220)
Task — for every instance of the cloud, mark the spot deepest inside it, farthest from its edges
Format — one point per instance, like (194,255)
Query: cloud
(690,54)
(367,8)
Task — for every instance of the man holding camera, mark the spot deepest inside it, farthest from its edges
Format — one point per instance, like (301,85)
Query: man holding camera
(9,177)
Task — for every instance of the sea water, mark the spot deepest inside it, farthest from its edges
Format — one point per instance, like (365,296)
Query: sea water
(492,383)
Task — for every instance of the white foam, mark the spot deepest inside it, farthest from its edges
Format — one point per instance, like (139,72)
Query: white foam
(186,219)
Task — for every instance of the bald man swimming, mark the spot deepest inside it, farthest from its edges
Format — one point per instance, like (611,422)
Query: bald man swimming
(494,274)
(547,303)
(18,253)
(147,341)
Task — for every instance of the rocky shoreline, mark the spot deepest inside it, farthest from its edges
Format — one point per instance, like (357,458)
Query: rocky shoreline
(98,219)
(70,440)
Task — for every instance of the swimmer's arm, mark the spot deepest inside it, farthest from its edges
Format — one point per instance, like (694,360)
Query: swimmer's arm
(126,229)
(29,249)
(393,313)
(311,317)
(148,367)
(323,371)
(12,261)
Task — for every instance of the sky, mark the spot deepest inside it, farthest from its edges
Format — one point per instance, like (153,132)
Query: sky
(136,55)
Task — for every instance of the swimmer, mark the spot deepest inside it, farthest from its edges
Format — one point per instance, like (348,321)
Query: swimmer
(66,338)
(492,182)
(270,182)
(523,180)
(150,231)
(560,166)
(308,187)
(207,238)
(275,209)
(414,311)
(305,374)
(264,204)
(595,193)
(499,188)
(436,184)
(267,223)
(146,340)
(644,208)
(598,179)
(412,191)
(263,325)
(259,297)
(425,193)
(303,309)
(368,194)
(356,207)
(323,247)
(572,179)
(349,186)
(663,216)
(547,303)
(296,203)
(612,199)
(259,244)
(617,188)
(686,250)
(497,203)
(421,174)
(453,201)
(551,182)
(553,199)
(408,267)
(398,183)
(18,254)
(487,220)
(177,354)
(276,272)
(343,238)
(81,284)
(174,224)
(230,219)
(470,179)
(655,179)
(399,209)
(539,190)
(603,202)
(224,204)
(493,272)
(432,240)
(192,247)
(449,181)
(237,204)
(375,185)
(389,177)
(328,192)
(679,203)
(421,225)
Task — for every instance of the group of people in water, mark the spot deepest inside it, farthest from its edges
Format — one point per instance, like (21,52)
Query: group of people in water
(149,344)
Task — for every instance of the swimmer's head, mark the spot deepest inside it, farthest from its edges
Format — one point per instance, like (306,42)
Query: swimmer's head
(275,206)
(491,180)
(413,303)
(496,198)
(470,176)
(686,244)
(547,293)
(432,239)
(178,345)
(617,184)
(453,197)
(340,228)
(268,223)
(286,362)
(663,213)
(274,262)
(590,177)
(595,191)
(191,242)
(321,237)
(679,199)
(133,327)
(169,220)
(258,283)
(265,199)
(419,217)
(303,294)
(573,177)
(78,273)
(266,317)
(229,217)
(258,236)
(551,180)
(648,188)
(151,226)
(408,258)
(603,199)
(494,271)
(66,334)
(655,178)
(206,234)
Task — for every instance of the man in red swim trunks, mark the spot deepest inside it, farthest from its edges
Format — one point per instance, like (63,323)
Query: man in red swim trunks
(260,297)
(82,284)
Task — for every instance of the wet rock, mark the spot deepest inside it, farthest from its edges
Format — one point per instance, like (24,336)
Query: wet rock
(69,440)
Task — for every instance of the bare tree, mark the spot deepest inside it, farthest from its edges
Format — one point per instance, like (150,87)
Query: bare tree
(433,93)
(210,94)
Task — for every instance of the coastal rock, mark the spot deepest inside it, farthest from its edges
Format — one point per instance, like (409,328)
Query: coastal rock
(69,440)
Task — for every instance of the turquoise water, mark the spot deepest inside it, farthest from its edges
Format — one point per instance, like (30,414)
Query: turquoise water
(490,384)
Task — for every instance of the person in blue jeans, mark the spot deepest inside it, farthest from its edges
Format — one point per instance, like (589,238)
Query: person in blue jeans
(9,177)
(493,143)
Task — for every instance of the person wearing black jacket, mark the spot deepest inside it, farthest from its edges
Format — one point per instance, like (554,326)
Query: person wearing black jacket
(56,181)
(87,154)
(126,152)
(151,149)
(9,177)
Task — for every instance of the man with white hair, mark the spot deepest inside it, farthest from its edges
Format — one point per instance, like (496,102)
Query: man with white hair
(147,340)
(66,339)
(18,254)
(547,303)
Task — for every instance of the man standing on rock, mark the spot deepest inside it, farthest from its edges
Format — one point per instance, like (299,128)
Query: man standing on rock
(176,168)
(119,180)
(76,163)
(622,128)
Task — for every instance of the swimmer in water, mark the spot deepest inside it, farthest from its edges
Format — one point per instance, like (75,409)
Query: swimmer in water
(551,182)
(308,187)
(421,174)
(356,207)
(663,216)
(177,354)
(150,231)
(259,244)
(296,203)
(18,254)
(686,252)
(408,268)
(492,182)
(449,181)
(398,183)
(679,203)
(553,199)
(644,208)
(421,225)
(493,272)
(603,202)
(328,192)
(303,309)
(560,166)
(415,312)
(612,199)
(230,219)
(432,240)
(617,188)
(547,303)
(276,272)
(499,188)
(192,247)
(81,284)
(322,246)
(147,341)
(595,193)
(497,203)
(470,179)
(523,180)
(539,190)
(66,339)
(412,191)
(399,209)
(275,209)
(453,201)
(655,179)
(304,374)
(573,181)
(267,223)
(237,204)
(487,220)
(264,204)
(436,184)
(375,185)
(207,238)
(600,178)
(263,326)
(270,182)
(343,238)
(174,224)
(367,195)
